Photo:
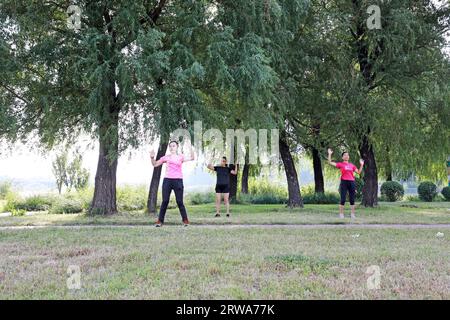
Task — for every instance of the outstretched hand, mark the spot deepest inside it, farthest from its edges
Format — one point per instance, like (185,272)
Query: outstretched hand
(330,152)
(152,154)
(361,162)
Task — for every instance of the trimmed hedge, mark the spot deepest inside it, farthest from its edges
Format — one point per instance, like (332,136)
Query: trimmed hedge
(392,191)
(427,191)
(262,199)
(446,193)
(321,198)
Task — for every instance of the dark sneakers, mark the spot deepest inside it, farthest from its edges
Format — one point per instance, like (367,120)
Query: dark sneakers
(217,215)
(159,224)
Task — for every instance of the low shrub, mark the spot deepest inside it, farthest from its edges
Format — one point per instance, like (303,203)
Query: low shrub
(36,203)
(392,191)
(131,198)
(84,196)
(262,199)
(32,203)
(321,198)
(427,191)
(413,198)
(5,188)
(18,212)
(264,187)
(66,205)
(446,193)
(12,199)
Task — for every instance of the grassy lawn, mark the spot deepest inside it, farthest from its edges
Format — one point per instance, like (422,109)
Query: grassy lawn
(386,213)
(210,263)
(228,263)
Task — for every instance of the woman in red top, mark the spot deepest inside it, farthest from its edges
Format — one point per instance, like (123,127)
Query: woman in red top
(347,180)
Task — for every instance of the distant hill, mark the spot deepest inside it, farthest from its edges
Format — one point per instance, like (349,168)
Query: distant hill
(30,186)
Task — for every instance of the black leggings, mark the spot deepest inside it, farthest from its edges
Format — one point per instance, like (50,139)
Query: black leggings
(167,187)
(350,186)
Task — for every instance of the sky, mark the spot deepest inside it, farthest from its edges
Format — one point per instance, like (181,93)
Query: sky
(30,171)
(26,166)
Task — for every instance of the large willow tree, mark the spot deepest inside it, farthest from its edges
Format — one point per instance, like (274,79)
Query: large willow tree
(392,73)
(132,70)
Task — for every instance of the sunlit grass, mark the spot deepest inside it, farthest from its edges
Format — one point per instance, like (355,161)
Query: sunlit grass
(210,263)
(385,213)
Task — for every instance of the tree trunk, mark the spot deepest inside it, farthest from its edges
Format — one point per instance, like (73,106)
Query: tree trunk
(319,185)
(295,197)
(370,189)
(104,201)
(233,178)
(154,184)
(388,166)
(389,176)
(448,170)
(244,182)
(233,185)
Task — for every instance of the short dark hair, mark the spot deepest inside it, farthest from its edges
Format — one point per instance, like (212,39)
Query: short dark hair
(224,158)
(344,153)
(174,141)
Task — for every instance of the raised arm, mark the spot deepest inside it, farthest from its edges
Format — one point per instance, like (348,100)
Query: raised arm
(361,162)
(235,171)
(210,167)
(330,152)
(155,163)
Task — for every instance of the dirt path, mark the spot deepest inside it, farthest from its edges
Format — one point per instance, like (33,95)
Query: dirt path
(244,226)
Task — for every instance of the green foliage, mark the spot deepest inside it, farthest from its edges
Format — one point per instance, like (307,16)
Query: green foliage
(412,198)
(392,191)
(31,203)
(84,196)
(261,191)
(66,205)
(70,172)
(5,188)
(311,197)
(196,198)
(321,198)
(131,198)
(263,198)
(427,191)
(263,186)
(12,198)
(77,175)
(71,202)
(446,193)
(18,212)
(35,203)
(359,186)
(59,169)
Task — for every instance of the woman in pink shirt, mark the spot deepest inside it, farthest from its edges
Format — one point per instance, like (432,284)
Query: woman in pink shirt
(172,181)
(347,180)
